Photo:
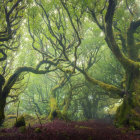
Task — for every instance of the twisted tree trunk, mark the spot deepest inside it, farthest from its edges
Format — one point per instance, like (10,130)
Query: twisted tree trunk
(129,112)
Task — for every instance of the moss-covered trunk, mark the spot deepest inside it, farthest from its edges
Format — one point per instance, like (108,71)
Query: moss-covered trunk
(54,111)
(53,108)
(129,112)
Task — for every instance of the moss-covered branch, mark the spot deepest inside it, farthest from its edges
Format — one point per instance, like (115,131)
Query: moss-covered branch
(15,76)
(112,90)
(10,28)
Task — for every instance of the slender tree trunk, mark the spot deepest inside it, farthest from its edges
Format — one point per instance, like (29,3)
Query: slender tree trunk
(2,106)
(2,100)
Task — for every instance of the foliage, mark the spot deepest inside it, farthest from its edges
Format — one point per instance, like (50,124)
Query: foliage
(22,129)
(37,130)
(72,130)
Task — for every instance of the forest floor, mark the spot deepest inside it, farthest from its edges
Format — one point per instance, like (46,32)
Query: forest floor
(61,130)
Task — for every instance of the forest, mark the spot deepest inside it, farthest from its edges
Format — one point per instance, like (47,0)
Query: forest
(69,69)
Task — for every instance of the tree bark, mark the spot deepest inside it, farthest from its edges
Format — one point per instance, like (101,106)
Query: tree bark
(129,112)
(53,100)
(2,106)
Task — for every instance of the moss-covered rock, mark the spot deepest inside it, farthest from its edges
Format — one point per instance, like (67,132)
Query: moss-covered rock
(20,122)
(22,129)
(37,130)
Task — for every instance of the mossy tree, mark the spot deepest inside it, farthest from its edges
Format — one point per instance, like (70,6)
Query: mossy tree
(128,113)
(104,14)
(123,44)
(10,19)
(59,25)
(64,37)
(12,13)
(53,100)
(52,30)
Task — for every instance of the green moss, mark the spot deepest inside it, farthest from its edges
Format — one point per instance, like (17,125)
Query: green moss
(123,82)
(53,115)
(37,130)
(62,116)
(133,93)
(22,129)
(128,114)
(135,124)
(59,115)
(20,122)
(69,71)
(132,128)
(135,115)
(123,113)
(107,87)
